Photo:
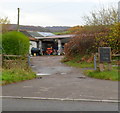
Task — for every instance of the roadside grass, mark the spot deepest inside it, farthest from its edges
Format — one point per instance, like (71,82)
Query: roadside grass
(15,72)
(16,75)
(106,75)
(80,64)
(76,62)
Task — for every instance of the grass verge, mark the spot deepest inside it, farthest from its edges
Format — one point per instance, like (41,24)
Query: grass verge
(16,75)
(106,75)
(80,64)
(15,71)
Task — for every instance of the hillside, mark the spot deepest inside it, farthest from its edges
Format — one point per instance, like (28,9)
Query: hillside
(57,28)
(36,28)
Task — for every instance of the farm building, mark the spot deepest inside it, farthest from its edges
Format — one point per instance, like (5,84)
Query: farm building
(44,40)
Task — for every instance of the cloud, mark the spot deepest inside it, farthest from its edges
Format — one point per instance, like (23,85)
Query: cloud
(49,12)
(37,19)
(33,1)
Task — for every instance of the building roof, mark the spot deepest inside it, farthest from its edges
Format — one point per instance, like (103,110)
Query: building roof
(34,34)
(57,37)
(26,33)
(46,34)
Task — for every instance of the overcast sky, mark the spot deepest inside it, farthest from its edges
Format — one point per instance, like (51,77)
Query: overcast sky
(51,12)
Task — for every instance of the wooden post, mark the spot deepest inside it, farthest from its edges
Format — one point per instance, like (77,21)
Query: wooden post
(109,66)
(18,20)
(101,67)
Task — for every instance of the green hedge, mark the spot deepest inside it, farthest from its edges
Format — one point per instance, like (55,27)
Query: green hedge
(15,43)
(0,43)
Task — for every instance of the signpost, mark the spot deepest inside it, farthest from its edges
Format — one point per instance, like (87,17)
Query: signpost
(104,57)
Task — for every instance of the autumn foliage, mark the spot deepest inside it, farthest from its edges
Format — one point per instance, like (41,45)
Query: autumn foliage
(89,38)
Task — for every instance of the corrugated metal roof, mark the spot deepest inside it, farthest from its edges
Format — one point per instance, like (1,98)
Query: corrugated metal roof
(34,34)
(46,34)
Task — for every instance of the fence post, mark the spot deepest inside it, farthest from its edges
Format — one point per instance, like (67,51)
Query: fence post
(95,64)
(28,59)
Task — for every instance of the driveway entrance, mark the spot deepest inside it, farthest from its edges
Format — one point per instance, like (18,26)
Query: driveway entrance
(56,80)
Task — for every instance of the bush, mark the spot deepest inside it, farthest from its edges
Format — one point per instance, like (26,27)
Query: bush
(89,38)
(15,43)
(0,43)
(84,41)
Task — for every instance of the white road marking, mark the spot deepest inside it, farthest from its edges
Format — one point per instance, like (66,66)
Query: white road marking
(62,99)
(40,74)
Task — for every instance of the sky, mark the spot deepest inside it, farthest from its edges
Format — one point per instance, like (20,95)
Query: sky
(51,12)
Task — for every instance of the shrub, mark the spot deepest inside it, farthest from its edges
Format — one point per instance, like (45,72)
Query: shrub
(84,40)
(0,43)
(89,38)
(15,43)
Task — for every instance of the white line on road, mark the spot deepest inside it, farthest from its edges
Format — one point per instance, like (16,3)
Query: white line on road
(62,99)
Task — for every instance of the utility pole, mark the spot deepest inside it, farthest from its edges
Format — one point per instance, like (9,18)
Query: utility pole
(18,20)
(119,11)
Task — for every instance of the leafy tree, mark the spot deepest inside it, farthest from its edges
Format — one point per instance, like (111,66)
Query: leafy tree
(111,39)
(4,22)
(104,16)
(74,29)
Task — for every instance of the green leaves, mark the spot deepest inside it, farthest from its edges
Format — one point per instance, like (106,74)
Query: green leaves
(15,43)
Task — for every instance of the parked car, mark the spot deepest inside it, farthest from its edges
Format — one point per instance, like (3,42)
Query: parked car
(35,51)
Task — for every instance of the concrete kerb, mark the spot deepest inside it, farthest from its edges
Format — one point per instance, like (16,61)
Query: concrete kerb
(60,99)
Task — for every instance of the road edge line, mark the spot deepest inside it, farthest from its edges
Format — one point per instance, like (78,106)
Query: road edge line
(61,99)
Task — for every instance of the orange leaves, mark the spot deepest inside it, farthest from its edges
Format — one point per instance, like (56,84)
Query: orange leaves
(89,38)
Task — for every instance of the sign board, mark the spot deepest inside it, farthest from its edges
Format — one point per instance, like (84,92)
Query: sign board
(104,54)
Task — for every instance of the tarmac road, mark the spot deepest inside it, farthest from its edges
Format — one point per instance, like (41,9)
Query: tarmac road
(56,81)
(45,105)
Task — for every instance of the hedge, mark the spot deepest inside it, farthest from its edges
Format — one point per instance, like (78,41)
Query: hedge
(15,43)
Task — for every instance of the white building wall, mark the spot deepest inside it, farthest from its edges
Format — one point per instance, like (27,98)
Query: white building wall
(32,44)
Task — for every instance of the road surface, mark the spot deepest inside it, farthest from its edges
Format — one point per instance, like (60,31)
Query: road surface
(49,105)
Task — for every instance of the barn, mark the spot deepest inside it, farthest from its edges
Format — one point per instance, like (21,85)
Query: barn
(44,40)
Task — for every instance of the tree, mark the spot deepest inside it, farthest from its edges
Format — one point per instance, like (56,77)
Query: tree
(104,16)
(5,24)
(4,20)
(75,29)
